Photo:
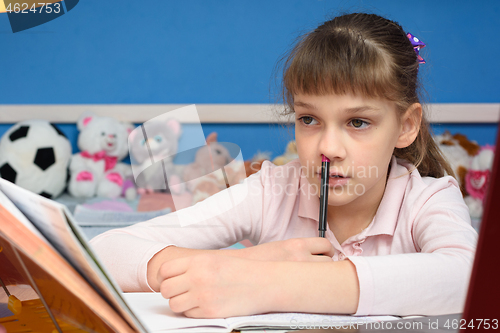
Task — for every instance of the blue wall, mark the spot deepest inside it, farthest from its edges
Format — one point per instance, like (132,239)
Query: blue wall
(224,51)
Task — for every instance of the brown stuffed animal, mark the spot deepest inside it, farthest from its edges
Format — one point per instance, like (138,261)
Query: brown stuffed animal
(253,166)
(290,154)
(459,151)
(212,171)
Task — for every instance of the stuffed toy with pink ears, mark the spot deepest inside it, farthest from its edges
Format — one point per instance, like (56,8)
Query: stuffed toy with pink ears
(96,170)
(152,150)
(477,180)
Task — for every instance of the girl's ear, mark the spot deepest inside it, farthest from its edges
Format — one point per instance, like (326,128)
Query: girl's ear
(410,125)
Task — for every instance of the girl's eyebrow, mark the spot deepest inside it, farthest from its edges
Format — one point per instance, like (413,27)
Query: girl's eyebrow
(360,109)
(305,105)
(352,110)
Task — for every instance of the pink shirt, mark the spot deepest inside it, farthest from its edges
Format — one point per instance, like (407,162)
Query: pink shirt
(414,258)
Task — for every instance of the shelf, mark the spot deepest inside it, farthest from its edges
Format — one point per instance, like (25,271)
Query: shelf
(222,113)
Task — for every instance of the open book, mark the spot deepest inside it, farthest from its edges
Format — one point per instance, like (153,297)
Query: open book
(153,309)
(43,246)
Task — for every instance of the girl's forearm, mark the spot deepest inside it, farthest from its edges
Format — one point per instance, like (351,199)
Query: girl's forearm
(292,250)
(322,287)
(246,286)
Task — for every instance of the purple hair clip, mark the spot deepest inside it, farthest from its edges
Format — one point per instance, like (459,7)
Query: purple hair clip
(417,45)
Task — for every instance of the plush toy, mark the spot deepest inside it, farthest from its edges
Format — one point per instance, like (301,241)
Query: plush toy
(34,154)
(203,176)
(477,180)
(255,164)
(153,155)
(209,158)
(289,155)
(95,170)
(458,151)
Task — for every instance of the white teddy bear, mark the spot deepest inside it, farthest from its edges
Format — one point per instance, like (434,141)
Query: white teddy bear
(96,170)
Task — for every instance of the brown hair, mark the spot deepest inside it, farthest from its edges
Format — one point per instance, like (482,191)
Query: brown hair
(369,55)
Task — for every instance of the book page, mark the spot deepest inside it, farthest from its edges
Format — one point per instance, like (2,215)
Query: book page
(154,310)
(301,321)
(51,220)
(9,206)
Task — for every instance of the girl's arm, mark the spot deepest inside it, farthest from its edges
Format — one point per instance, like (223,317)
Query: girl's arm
(298,249)
(433,281)
(211,286)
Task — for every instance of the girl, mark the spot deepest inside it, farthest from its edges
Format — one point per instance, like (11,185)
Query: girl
(399,239)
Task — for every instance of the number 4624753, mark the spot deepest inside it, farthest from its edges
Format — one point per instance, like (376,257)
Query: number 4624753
(472,324)
(40,7)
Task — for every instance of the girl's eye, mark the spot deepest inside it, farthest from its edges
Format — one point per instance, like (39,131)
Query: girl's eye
(307,120)
(103,134)
(158,138)
(358,123)
(143,142)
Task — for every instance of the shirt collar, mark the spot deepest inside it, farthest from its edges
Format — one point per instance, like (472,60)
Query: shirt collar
(385,220)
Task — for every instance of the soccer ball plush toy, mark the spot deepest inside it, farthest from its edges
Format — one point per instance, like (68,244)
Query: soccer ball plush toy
(34,154)
(95,170)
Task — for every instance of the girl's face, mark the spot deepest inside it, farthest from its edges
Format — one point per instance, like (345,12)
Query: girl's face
(357,134)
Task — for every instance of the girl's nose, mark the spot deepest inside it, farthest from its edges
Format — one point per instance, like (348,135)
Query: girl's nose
(332,145)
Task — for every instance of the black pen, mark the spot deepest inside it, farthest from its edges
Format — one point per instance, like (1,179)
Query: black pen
(323,195)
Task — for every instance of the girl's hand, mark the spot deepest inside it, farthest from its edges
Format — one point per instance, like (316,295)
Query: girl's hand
(295,249)
(216,286)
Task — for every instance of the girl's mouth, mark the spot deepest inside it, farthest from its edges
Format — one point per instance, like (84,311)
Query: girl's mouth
(336,179)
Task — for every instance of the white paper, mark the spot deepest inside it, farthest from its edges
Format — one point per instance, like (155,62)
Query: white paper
(9,206)
(154,311)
